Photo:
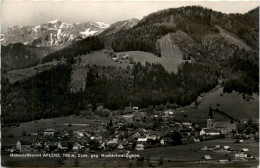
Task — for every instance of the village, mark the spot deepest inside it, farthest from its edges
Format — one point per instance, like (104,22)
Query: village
(135,132)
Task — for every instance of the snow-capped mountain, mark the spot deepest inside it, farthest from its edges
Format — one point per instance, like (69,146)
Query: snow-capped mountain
(120,25)
(51,33)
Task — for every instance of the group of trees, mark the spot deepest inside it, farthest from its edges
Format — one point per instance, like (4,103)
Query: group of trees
(246,70)
(81,47)
(48,95)
(145,34)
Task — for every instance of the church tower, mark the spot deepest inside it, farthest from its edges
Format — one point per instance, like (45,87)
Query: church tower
(210,120)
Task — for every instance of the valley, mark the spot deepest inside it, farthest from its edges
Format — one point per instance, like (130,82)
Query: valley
(179,87)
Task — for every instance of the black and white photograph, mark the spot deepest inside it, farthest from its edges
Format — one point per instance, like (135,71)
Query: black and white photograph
(129,83)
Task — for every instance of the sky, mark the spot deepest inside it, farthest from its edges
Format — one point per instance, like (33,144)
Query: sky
(27,12)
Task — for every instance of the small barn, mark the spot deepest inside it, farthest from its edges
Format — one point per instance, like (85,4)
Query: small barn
(206,158)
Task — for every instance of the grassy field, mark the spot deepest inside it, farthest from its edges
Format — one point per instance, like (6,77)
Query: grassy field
(232,104)
(21,74)
(170,64)
(61,123)
(192,152)
(102,59)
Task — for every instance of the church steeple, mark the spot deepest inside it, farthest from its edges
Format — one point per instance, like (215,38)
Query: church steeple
(210,120)
(210,116)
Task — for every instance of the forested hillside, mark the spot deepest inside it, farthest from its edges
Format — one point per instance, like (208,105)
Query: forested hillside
(48,94)
(76,48)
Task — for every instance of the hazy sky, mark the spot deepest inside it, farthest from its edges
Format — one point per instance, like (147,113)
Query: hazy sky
(26,12)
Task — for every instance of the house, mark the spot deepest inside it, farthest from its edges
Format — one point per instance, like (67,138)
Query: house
(120,146)
(23,146)
(115,59)
(244,150)
(155,135)
(78,134)
(77,146)
(142,140)
(62,146)
(48,132)
(165,140)
(196,140)
(139,147)
(38,144)
(128,117)
(226,147)
(217,147)
(206,158)
(136,135)
(152,137)
(187,125)
(113,141)
(162,142)
(209,131)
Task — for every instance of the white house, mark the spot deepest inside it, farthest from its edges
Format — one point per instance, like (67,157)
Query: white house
(209,131)
(139,147)
(62,145)
(78,134)
(128,117)
(206,158)
(141,140)
(48,132)
(244,150)
(162,142)
(120,146)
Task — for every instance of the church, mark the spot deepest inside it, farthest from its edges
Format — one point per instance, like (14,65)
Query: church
(224,126)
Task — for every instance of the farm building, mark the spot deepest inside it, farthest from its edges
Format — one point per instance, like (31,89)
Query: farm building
(48,132)
(206,158)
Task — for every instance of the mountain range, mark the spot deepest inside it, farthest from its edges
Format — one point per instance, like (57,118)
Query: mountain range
(23,46)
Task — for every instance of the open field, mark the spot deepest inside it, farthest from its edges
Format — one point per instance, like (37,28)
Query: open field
(21,74)
(232,104)
(192,152)
(61,123)
(170,64)
(102,59)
